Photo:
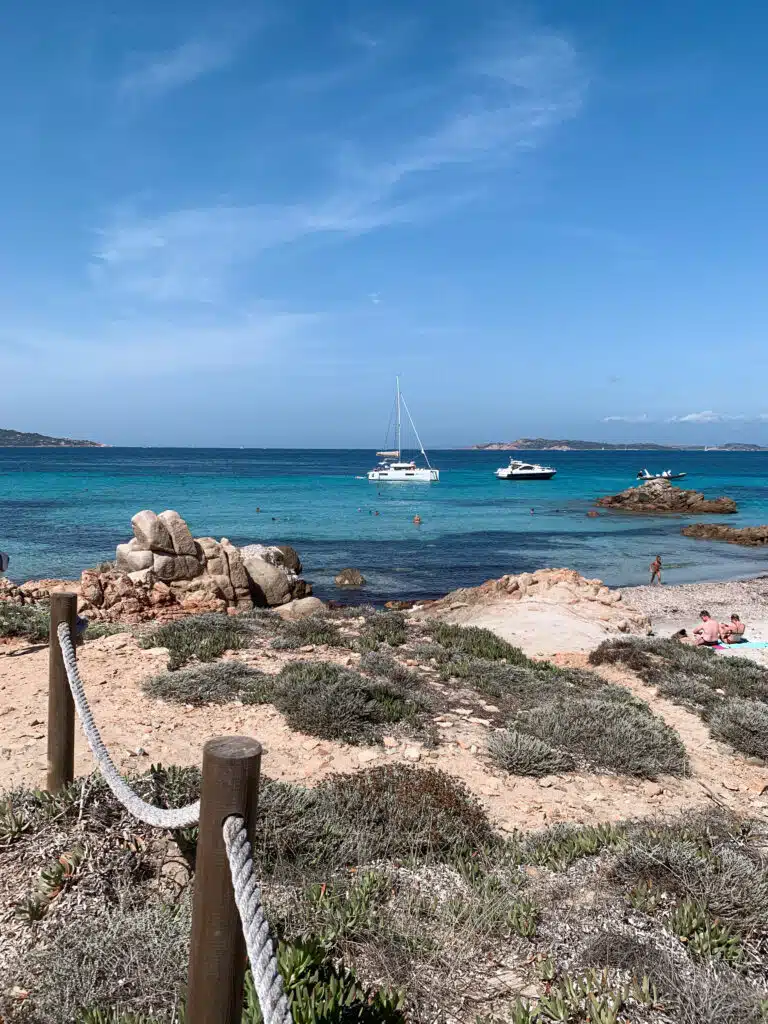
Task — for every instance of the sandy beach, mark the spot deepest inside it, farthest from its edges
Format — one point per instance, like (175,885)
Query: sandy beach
(677,607)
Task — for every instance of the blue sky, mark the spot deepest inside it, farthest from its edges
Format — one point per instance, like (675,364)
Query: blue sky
(234,224)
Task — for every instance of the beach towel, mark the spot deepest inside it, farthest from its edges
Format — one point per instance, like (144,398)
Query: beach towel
(751,644)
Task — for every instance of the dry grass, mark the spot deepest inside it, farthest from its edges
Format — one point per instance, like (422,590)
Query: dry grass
(729,693)
(393,879)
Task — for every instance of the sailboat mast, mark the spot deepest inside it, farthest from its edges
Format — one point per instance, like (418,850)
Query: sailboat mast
(397,428)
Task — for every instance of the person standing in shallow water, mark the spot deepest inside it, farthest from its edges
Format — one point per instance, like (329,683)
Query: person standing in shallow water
(656,569)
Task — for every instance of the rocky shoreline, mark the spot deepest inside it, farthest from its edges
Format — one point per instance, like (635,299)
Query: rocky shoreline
(165,573)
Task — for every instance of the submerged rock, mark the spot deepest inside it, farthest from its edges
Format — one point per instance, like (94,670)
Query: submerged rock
(748,536)
(350,578)
(660,497)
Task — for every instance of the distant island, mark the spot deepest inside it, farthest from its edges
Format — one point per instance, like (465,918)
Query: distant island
(544,444)
(21,439)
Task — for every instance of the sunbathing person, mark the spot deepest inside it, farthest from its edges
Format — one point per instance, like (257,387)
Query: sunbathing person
(708,633)
(732,632)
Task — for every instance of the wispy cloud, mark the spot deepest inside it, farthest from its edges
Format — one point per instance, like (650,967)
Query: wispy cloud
(160,73)
(499,105)
(709,416)
(513,95)
(246,337)
(641,418)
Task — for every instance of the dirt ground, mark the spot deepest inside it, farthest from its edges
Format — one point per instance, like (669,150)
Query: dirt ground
(140,731)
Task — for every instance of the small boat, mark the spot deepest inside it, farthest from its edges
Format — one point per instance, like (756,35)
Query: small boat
(393,468)
(517,470)
(667,474)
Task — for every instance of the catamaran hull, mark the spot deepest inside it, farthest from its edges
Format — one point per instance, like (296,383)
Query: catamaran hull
(404,476)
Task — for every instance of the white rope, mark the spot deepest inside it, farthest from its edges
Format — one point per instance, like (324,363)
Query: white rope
(261,949)
(179,817)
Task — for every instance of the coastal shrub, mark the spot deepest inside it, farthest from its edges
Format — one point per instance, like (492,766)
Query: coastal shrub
(217,683)
(729,693)
(666,663)
(731,885)
(129,956)
(96,630)
(608,735)
(743,724)
(27,621)
(692,992)
(703,935)
(335,703)
(381,628)
(375,663)
(519,754)
(200,637)
(476,643)
(321,989)
(351,611)
(388,812)
(563,844)
(313,630)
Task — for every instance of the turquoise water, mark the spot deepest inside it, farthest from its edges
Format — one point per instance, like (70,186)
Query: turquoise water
(62,510)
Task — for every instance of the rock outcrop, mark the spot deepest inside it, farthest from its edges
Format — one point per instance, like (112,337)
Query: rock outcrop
(301,608)
(660,497)
(585,599)
(350,578)
(748,536)
(270,584)
(164,573)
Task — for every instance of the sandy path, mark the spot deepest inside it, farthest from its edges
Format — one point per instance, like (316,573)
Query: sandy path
(140,731)
(540,628)
(677,607)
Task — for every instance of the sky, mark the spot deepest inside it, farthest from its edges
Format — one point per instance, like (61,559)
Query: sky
(233,224)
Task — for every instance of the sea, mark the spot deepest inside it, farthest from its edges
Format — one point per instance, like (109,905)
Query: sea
(64,509)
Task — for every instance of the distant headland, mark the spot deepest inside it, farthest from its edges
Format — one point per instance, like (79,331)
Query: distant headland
(543,444)
(21,439)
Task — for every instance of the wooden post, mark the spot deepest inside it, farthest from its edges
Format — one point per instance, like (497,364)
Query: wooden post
(61,707)
(217,956)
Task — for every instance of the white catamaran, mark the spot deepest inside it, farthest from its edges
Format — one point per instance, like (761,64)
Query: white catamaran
(393,468)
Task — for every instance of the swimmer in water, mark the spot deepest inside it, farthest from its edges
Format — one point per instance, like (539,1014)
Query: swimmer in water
(417,520)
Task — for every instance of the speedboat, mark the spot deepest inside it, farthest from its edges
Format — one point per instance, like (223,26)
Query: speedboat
(393,468)
(517,470)
(667,474)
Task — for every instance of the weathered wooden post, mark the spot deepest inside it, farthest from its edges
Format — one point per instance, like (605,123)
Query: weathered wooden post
(230,785)
(61,707)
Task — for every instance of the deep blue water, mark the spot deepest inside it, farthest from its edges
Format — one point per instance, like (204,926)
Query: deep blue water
(64,509)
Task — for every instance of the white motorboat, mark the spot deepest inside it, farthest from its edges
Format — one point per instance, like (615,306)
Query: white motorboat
(667,474)
(517,470)
(393,468)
